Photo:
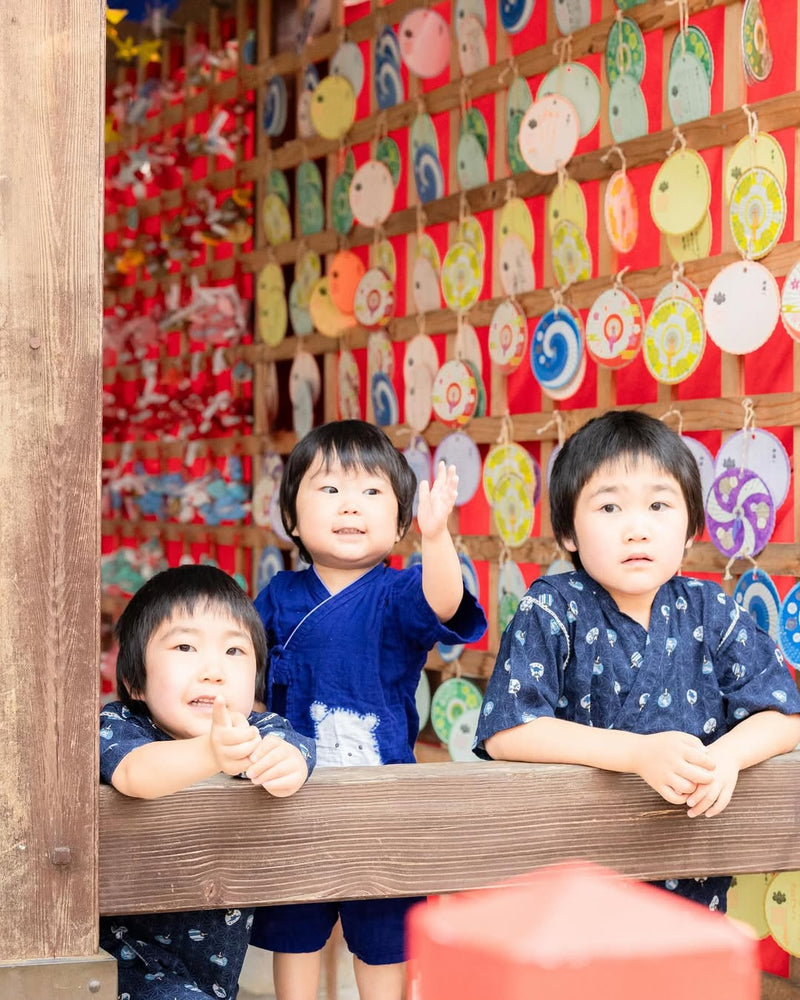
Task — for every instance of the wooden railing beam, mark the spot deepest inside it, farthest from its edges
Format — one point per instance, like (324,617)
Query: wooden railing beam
(431,828)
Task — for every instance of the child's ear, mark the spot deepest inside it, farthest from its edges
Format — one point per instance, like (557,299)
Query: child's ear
(568,544)
(688,544)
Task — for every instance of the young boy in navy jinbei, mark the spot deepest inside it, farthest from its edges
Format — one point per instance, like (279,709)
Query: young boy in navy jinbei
(192,652)
(624,665)
(348,639)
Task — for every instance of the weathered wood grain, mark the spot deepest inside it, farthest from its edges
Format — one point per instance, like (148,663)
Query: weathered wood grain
(430,828)
(51,203)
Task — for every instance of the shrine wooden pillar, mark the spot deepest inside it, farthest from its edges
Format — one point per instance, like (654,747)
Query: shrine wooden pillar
(52,56)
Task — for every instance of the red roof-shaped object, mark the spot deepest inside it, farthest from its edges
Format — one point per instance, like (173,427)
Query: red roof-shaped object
(575,931)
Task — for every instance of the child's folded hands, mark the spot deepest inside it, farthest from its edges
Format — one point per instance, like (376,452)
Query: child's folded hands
(674,764)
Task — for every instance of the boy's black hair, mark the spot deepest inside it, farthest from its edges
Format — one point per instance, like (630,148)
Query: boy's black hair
(620,435)
(355,444)
(181,589)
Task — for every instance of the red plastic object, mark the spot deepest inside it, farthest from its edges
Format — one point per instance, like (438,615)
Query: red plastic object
(574,932)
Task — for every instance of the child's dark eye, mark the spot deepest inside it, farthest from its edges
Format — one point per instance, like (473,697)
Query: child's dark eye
(608,508)
(184,647)
(371,491)
(234,651)
(658,505)
(329,489)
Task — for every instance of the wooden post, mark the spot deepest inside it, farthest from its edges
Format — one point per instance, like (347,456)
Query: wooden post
(51,204)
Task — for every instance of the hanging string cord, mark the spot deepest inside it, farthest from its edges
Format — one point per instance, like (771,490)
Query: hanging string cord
(683,19)
(674,412)
(748,424)
(615,149)
(463,208)
(556,421)
(679,140)
(562,47)
(506,429)
(752,124)
(727,575)
(558,292)
(510,67)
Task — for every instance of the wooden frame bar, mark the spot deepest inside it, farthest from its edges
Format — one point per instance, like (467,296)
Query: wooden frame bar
(402,830)
(51,204)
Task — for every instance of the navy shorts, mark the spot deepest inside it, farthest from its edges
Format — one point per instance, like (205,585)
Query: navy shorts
(374,929)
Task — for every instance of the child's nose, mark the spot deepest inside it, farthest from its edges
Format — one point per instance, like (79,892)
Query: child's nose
(350,502)
(638,527)
(212,669)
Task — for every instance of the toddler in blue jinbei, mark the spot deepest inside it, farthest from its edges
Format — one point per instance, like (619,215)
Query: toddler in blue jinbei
(192,653)
(348,640)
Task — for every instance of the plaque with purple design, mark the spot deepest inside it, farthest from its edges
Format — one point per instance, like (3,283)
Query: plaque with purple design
(740,513)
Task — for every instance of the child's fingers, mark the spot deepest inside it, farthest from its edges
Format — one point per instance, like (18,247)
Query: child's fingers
(219,712)
(274,759)
(446,477)
(239,737)
(703,800)
(722,801)
(281,788)
(696,774)
(267,745)
(699,756)
(668,792)
(682,786)
(237,720)
(269,767)
(279,777)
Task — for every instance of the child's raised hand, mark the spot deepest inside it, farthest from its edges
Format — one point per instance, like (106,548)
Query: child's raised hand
(232,738)
(277,766)
(674,764)
(436,501)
